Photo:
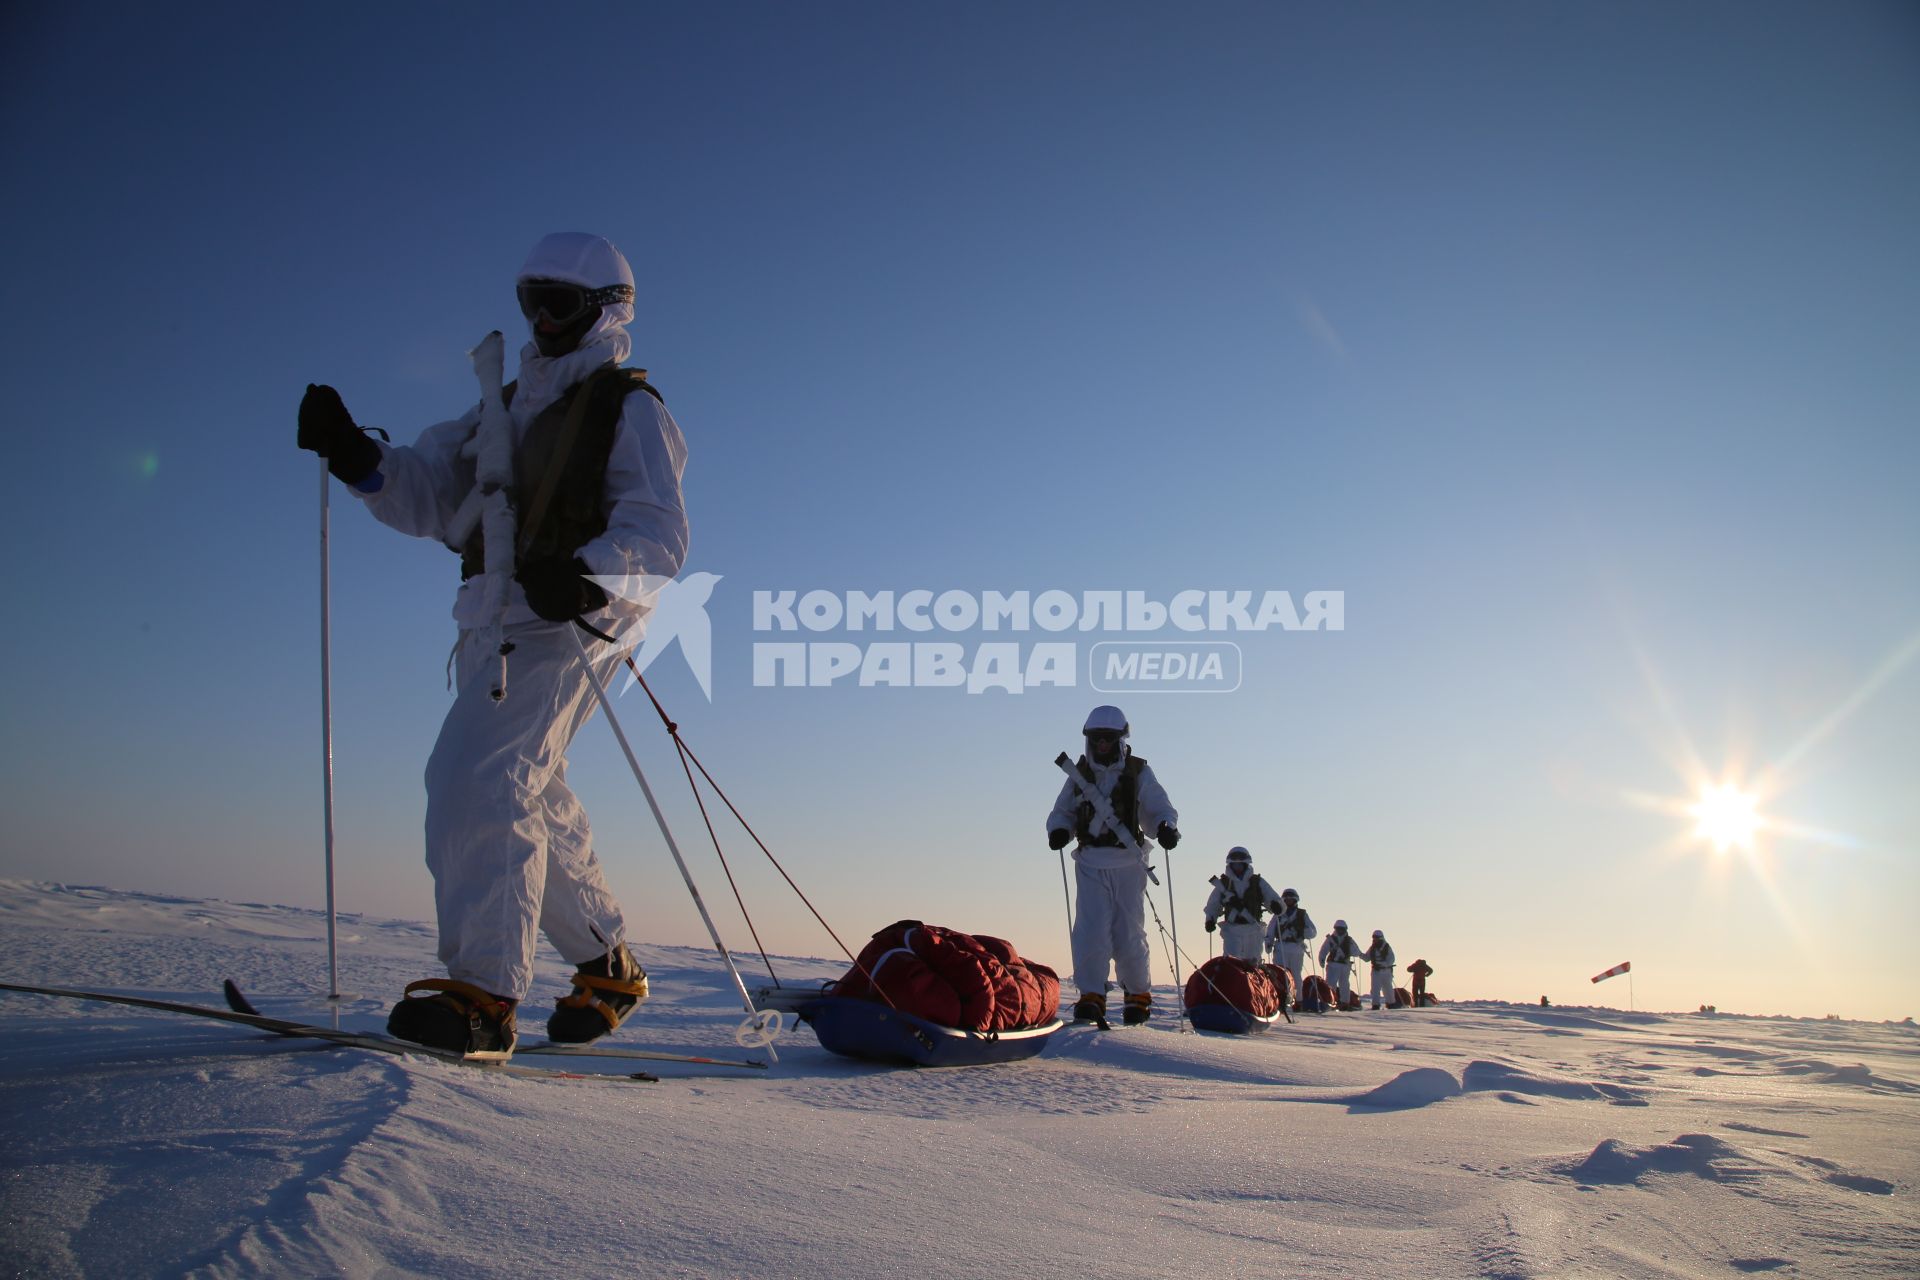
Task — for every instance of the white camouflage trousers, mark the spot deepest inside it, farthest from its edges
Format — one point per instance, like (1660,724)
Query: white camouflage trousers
(1110,927)
(507,842)
(1246,941)
(1382,987)
(1338,976)
(1291,956)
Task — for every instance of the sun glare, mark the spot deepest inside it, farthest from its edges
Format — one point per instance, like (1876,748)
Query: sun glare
(1727,817)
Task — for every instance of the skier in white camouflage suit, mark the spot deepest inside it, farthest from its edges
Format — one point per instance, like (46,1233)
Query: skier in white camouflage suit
(1289,932)
(1337,953)
(1380,955)
(507,843)
(1239,898)
(1109,923)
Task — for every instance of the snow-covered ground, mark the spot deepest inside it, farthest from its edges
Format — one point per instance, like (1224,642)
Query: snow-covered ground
(1471,1140)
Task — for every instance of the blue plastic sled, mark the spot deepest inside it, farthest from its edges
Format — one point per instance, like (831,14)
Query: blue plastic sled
(879,1033)
(1224,1017)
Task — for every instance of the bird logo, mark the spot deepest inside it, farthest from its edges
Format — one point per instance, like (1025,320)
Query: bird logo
(669,609)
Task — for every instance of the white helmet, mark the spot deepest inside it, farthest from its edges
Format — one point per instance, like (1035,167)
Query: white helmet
(1106,720)
(1378,934)
(1292,895)
(1339,924)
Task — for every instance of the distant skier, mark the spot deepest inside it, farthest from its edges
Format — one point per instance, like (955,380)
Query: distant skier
(1239,900)
(1109,924)
(1288,933)
(597,462)
(1337,954)
(1421,971)
(1381,957)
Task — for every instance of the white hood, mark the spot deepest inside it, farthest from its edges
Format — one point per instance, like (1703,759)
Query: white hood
(587,260)
(582,259)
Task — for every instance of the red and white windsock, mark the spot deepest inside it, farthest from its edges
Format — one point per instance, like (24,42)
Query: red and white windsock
(1614,972)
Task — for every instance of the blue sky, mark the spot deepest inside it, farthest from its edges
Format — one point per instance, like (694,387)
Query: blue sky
(1575,345)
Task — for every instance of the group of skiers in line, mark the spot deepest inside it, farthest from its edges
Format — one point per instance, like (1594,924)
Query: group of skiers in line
(1109,803)
(1241,897)
(554,490)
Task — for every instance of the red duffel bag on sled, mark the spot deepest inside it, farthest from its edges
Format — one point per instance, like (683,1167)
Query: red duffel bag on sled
(1236,996)
(1282,980)
(936,997)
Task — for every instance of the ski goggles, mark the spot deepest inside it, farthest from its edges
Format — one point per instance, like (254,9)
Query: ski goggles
(563,303)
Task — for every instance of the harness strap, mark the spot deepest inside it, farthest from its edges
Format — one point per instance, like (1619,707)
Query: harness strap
(583,997)
(1124,801)
(463,995)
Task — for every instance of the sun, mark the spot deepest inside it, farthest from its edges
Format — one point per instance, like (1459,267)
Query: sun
(1728,817)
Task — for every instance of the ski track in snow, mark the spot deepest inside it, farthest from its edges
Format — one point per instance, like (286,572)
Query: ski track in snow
(1480,1139)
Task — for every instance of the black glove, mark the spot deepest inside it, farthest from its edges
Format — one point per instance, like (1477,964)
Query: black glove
(557,589)
(1210,924)
(1167,836)
(326,428)
(1058,837)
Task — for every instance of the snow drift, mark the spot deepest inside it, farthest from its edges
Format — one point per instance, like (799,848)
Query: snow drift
(1470,1140)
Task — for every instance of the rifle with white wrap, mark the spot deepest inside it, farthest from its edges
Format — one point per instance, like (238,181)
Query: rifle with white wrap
(490,504)
(1103,812)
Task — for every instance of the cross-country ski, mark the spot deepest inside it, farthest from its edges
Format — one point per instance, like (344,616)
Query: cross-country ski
(304,1031)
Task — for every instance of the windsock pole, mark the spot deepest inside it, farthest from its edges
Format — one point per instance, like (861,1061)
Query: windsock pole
(1626,967)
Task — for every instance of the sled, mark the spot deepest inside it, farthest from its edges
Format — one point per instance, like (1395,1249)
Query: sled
(874,1032)
(1227,1019)
(1235,996)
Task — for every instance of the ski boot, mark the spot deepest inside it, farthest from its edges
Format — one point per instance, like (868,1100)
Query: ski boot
(1139,1008)
(605,990)
(456,1017)
(1091,1007)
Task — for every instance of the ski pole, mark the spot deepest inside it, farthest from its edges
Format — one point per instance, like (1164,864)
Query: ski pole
(326,728)
(1067,894)
(762,1024)
(1172,966)
(1173,914)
